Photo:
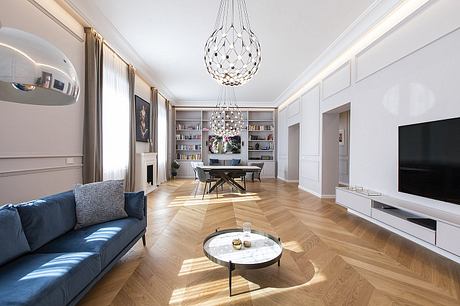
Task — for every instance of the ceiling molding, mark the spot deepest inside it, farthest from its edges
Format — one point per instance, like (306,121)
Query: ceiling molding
(212,103)
(93,16)
(372,16)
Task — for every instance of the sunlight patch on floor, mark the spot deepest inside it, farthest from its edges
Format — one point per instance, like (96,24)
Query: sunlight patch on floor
(240,286)
(199,201)
(189,294)
(196,265)
(293,246)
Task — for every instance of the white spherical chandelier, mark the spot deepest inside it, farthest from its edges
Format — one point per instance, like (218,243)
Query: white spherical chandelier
(227,120)
(232,52)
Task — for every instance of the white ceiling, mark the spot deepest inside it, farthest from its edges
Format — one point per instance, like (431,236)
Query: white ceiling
(169,37)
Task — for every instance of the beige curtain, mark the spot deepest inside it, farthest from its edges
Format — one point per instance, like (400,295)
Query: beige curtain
(154,121)
(154,124)
(130,175)
(168,139)
(92,131)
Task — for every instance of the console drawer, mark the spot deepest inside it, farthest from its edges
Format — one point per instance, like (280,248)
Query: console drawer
(353,201)
(447,238)
(403,225)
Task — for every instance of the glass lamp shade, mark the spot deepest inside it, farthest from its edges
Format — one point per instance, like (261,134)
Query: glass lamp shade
(232,52)
(227,120)
(33,71)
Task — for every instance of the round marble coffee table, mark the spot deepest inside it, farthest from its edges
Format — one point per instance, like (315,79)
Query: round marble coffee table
(264,251)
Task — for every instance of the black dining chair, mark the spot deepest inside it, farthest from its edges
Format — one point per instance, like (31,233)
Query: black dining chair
(256,174)
(204,178)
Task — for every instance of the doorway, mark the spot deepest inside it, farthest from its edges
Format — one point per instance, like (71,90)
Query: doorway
(336,149)
(293,153)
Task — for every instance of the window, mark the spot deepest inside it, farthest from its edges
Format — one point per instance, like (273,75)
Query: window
(162,139)
(115,116)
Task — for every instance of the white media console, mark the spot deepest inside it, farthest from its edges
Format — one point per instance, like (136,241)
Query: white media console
(435,229)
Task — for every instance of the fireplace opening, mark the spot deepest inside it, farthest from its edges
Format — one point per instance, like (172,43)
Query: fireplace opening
(150,174)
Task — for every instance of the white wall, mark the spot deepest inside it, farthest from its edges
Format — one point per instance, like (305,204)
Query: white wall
(142,89)
(410,75)
(40,146)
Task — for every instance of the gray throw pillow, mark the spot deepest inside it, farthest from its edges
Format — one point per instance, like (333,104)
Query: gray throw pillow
(99,202)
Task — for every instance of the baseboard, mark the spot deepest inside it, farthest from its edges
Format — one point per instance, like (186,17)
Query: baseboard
(309,191)
(407,236)
(328,196)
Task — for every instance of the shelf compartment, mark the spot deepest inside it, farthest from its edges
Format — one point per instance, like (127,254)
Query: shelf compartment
(398,219)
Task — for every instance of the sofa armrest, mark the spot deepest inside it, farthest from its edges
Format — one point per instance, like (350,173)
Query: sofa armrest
(135,205)
(145,209)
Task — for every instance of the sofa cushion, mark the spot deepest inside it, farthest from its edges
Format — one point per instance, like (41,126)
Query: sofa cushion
(45,219)
(47,279)
(99,202)
(134,204)
(13,241)
(107,239)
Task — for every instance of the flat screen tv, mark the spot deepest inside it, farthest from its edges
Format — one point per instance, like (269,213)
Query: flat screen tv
(429,160)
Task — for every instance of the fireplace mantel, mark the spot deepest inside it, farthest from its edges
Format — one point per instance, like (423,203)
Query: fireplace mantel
(146,172)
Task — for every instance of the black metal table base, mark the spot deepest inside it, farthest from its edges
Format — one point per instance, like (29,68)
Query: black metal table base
(231,267)
(225,178)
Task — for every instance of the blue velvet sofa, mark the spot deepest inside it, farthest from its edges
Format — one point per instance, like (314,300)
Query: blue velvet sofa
(58,265)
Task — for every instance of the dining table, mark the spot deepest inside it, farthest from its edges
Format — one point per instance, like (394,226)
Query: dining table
(227,174)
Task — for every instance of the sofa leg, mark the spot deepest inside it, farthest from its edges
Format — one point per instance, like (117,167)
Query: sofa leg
(143,240)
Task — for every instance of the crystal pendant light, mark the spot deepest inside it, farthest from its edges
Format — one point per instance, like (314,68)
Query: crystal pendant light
(227,120)
(232,52)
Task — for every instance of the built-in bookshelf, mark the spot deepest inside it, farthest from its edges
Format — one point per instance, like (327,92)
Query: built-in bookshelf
(188,136)
(194,136)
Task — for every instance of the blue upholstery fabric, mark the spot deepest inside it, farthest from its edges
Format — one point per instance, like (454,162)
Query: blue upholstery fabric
(13,241)
(45,219)
(47,279)
(213,161)
(134,204)
(107,239)
(235,162)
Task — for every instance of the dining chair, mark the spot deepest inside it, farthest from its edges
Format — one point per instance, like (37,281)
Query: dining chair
(204,178)
(235,162)
(256,174)
(214,162)
(194,165)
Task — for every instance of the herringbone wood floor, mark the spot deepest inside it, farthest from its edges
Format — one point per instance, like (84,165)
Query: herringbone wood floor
(330,257)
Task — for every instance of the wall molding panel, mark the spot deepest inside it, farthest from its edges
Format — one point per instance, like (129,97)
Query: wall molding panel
(400,43)
(38,170)
(337,81)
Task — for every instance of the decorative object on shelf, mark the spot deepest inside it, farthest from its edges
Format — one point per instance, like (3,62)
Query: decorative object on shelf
(232,52)
(257,145)
(142,120)
(174,167)
(33,71)
(227,119)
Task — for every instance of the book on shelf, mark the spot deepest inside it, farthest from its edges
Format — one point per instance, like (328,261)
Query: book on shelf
(254,127)
(187,147)
(188,137)
(188,127)
(182,156)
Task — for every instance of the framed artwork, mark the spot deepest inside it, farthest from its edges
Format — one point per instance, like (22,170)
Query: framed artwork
(46,79)
(142,120)
(341,137)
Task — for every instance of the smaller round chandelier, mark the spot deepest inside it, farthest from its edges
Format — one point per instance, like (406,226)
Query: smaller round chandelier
(227,120)
(232,52)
